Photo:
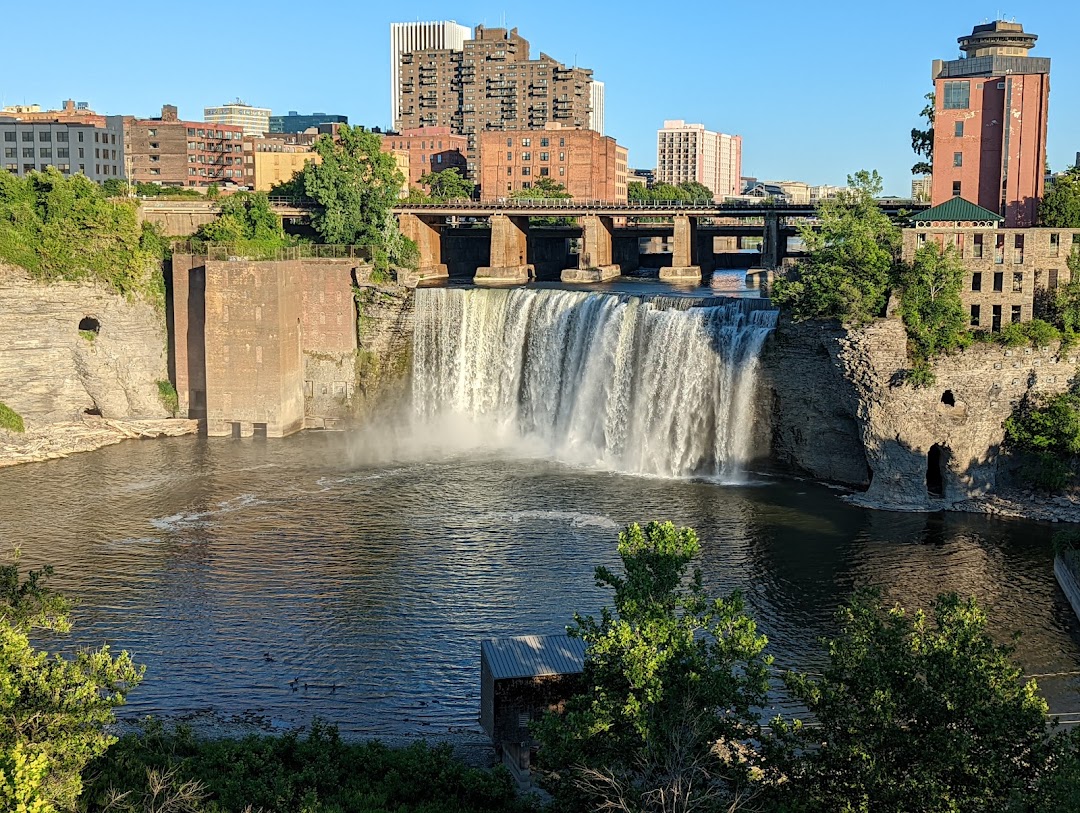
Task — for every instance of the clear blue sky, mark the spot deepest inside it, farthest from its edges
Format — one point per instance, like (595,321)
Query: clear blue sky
(816,89)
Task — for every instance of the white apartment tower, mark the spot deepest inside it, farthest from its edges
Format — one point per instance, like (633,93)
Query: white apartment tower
(405,37)
(689,152)
(596,116)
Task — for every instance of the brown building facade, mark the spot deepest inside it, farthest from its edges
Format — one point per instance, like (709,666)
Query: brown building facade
(990,123)
(171,152)
(430,149)
(491,84)
(589,165)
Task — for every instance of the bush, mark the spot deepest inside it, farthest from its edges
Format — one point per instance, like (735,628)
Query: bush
(1047,432)
(921,375)
(10,419)
(169,399)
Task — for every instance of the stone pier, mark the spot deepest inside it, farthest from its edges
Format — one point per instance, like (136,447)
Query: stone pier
(595,259)
(684,265)
(509,253)
(774,242)
(427,234)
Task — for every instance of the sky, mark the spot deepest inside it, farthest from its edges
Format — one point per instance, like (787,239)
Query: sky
(817,90)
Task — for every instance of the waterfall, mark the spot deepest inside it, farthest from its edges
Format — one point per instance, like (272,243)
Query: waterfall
(656,386)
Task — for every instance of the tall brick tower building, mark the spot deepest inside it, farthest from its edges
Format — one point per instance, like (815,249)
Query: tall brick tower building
(990,123)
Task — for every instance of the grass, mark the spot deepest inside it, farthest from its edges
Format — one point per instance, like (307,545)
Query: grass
(89,335)
(10,419)
(167,393)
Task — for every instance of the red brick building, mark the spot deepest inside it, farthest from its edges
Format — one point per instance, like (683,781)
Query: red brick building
(990,123)
(171,152)
(589,165)
(430,149)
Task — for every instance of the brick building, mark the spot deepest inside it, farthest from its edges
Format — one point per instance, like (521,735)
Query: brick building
(990,123)
(71,147)
(430,149)
(589,165)
(1007,267)
(490,84)
(270,161)
(171,152)
(71,112)
(689,152)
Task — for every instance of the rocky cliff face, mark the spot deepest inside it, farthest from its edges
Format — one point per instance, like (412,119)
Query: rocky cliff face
(838,410)
(50,372)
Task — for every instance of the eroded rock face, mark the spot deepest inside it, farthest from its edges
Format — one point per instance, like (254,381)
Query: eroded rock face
(840,394)
(50,372)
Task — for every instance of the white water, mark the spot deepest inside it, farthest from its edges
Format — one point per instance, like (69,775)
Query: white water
(642,386)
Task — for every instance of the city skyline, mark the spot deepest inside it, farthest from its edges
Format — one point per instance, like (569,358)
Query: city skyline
(815,93)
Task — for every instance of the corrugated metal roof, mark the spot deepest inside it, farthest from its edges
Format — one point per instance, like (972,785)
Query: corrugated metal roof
(955,210)
(533,656)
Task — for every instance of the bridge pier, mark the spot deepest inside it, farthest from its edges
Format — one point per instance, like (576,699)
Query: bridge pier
(595,259)
(509,253)
(773,242)
(427,234)
(684,265)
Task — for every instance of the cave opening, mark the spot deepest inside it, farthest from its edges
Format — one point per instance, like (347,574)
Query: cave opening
(90,323)
(935,472)
(948,398)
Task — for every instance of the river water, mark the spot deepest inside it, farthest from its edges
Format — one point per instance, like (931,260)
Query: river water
(352,576)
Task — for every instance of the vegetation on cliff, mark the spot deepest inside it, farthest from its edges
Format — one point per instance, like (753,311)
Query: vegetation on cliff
(248,225)
(10,419)
(931,307)
(1045,433)
(65,228)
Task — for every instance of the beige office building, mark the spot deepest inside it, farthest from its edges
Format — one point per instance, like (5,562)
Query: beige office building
(690,153)
(255,121)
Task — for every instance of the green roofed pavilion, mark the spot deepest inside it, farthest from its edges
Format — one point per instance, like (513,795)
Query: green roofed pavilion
(956,210)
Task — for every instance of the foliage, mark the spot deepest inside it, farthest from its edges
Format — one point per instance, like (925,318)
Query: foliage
(317,772)
(1047,431)
(850,258)
(448,185)
(169,398)
(10,419)
(1060,206)
(153,190)
(248,222)
(913,712)
(88,335)
(921,375)
(542,189)
(687,191)
(114,187)
(65,228)
(922,141)
(671,683)
(931,306)
(1061,306)
(56,711)
(213,192)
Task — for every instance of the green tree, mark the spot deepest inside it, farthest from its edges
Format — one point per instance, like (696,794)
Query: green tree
(448,184)
(1046,431)
(922,141)
(114,187)
(850,258)
(1060,206)
(693,191)
(56,711)
(542,189)
(913,712)
(671,683)
(635,190)
(931,306)
(248,223)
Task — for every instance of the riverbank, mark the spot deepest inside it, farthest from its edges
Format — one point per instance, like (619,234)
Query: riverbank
(1031,505)
(58,440)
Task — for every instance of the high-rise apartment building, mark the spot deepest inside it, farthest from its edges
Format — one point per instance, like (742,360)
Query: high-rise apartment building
(690,153)
(990,123)
(491,84)
(406,37)
(596,114)
(255,121)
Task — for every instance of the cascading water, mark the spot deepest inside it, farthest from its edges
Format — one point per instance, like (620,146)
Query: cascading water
(660,387)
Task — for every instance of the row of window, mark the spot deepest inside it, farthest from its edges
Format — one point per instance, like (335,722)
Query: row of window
(527,142)
(100,169)
(527,156)
(1016,314)
(527,171)
(978,245)
(228,135)
(999,282)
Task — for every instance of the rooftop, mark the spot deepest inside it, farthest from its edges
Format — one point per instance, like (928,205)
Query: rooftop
(956,210)
(533,656)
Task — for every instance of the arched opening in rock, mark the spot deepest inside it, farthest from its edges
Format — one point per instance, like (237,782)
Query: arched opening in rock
(935,472)
(92,411)
(948,398)
(90,323)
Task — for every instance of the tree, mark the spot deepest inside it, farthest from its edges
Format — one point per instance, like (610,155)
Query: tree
(922,141)
(356,186)
(914,712)
(1046,431)
(1060,206)
(694,191)
(542,189)
(850,258)
(248,223)
(56,711)
(931,306)
(448,185)
(671,682)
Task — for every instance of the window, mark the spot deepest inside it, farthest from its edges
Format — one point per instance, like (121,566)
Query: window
(544,171)
(191,131)
(957,95)
(921,239)
(65,168)
(45,152)
(526,156)
(526,142)
(1052,278)
(62,137)
(1018,283)
(959,129)
(509,142)
(27,168)
(545,156)
(44,135)
(956,189)
(151,132)
(543,142)
(81,150)
(526,171)
(957,159)
(509,170)
(509,156)
(9,136)
(1016,314)
(995,325)
(27,152)
(976,282)
(27,135)
(62,152)
(80,136)
(1018,249)
(975,311)
(999,282)
(526,185)
(562,170)
(562,142)
(11,167)
(1055,244)
(154,145)
(999,249)
(10,152)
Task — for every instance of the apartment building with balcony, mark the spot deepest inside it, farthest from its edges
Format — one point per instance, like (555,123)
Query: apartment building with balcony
(690,153)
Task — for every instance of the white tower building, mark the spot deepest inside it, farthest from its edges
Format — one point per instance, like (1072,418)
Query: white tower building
(406,37)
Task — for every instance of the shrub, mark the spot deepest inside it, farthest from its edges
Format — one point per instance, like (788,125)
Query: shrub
(10,419)
(1047,432)
(921,375)
(167,393)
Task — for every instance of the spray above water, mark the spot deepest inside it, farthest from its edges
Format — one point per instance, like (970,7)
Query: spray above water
(622,383)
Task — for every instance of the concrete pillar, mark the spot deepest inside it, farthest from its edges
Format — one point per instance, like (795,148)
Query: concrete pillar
(595,262)
(706,252)
(684,256)
(509,253)
(772,246)
(427,234)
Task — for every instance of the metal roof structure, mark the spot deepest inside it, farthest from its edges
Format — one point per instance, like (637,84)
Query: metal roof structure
(956,210)
(533,656)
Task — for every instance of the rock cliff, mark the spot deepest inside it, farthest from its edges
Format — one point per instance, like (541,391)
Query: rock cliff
(51,371)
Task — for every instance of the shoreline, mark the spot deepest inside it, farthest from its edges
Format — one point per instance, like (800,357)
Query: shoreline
(55,441)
